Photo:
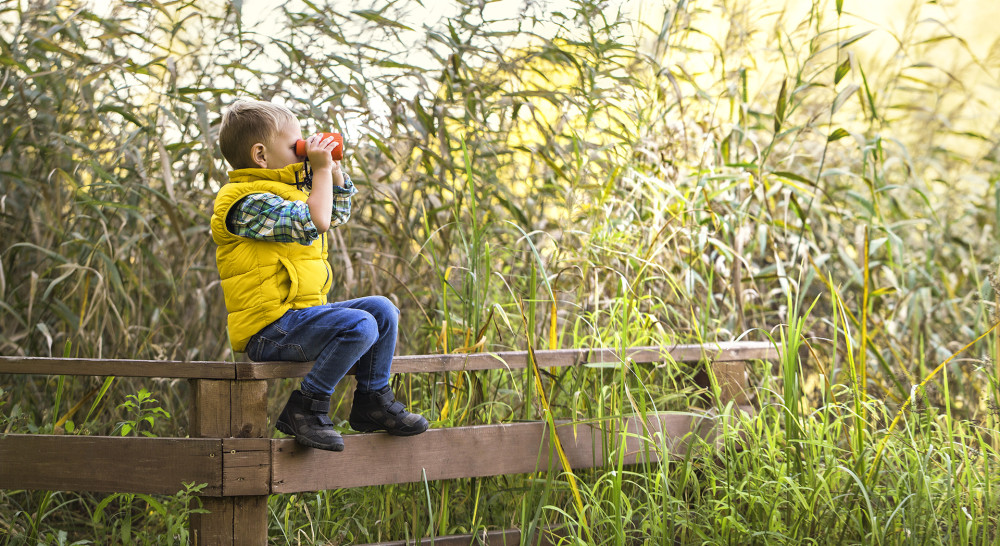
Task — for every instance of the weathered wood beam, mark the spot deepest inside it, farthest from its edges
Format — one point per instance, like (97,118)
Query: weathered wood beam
(476,451)
(720,352)
(515,360)
(109,463)
(122,368)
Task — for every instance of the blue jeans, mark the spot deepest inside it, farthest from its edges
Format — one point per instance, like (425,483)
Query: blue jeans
(359,332)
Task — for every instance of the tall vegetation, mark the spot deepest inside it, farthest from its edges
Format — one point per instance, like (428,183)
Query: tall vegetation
(547,175)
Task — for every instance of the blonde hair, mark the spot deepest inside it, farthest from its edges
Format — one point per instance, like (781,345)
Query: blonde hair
(246,123)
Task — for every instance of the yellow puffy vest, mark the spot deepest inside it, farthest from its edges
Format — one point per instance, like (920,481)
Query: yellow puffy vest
(262,280)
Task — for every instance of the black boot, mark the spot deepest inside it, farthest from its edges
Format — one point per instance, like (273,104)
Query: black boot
(305,417)
(379,410)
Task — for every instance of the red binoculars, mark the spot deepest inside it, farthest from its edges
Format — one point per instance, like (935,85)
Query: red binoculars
(337,153)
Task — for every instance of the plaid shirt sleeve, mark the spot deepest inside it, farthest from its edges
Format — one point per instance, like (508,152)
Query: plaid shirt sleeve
(342,202)
(267,217)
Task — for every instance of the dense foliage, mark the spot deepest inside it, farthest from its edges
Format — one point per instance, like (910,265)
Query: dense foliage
(557,175)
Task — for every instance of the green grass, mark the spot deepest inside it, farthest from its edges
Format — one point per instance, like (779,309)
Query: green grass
(544,178)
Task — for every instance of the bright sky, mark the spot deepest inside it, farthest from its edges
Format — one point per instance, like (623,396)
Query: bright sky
(891,21)
(974,21)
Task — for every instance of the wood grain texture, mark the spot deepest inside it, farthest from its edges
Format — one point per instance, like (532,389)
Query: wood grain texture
(721,352)
(122,368)
(228,409)
(216,526)
(246,466)
(465,452)
(733,382)
(107,463)
(250,521)
(248,412)
(235,412)
(515,360)
(210,408)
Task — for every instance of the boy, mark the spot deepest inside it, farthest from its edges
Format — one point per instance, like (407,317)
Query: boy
(272,257)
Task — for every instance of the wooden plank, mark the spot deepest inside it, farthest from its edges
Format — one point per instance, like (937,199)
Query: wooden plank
(224,409)
(274,370)
(248,411)
(246,466)
(210,408)
(107,463)
(721,352)
(122,368)
(466,452)
(236,521)
(216,526)
(733,382)
(250,521)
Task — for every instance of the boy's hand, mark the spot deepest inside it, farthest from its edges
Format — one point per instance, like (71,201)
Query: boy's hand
(319,153)
(326,173)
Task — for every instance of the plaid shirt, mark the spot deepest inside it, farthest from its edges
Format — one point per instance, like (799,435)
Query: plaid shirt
(267,217)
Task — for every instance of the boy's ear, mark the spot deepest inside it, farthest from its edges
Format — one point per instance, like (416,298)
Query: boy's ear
(257,154)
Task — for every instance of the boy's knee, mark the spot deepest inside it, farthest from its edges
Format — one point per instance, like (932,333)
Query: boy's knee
(385,306)
(367,328)
(384,310)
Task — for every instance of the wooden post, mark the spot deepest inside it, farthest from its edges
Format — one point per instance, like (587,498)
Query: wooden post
(732,380)
(733,384)
(233,409)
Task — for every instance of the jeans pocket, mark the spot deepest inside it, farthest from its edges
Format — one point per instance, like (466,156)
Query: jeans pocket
(252,348)
(269,350)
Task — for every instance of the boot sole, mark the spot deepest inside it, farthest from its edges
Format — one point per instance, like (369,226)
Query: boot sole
(285,429)
(376,428)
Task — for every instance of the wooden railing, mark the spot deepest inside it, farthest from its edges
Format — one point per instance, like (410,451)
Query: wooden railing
(230,448)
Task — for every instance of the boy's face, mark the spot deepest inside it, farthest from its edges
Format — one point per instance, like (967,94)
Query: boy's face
(280,152)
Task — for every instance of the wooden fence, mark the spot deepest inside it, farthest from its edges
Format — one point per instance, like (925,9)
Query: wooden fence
(230,448)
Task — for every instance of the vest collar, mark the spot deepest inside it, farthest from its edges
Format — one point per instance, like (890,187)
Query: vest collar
(286,175)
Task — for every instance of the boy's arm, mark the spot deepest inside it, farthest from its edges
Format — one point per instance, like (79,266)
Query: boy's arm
(325,174)
(267,217)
